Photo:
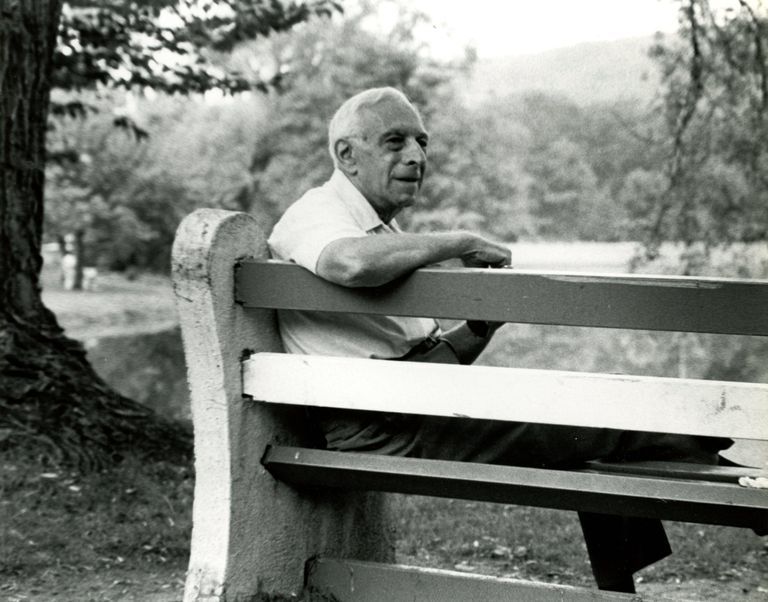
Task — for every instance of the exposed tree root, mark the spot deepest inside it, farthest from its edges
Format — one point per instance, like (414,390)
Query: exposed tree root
(55,406)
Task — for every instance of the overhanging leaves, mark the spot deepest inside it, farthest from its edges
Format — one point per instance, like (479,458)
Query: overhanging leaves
(165,45)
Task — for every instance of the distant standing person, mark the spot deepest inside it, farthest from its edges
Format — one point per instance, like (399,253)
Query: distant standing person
(345,232)
(68,271)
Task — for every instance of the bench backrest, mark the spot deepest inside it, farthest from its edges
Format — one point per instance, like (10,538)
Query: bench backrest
(700,407)
(676,303)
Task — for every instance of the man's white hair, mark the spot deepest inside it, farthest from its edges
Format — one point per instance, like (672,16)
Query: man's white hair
(348,119)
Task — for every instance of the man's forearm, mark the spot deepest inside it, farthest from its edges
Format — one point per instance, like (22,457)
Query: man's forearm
(378,259)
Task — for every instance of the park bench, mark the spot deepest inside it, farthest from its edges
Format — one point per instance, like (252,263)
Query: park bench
(273,514)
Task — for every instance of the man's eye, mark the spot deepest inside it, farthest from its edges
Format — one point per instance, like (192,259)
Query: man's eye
(423,143)
(394,142)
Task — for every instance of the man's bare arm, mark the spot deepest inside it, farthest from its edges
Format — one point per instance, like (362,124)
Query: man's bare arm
(376,260)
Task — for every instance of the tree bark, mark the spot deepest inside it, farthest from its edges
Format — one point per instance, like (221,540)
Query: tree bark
(51,401)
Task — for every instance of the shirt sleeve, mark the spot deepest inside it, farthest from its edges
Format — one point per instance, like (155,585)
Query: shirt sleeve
(307,227)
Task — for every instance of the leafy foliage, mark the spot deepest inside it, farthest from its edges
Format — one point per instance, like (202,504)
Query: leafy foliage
(497,168)
(519,167)
(474,179)
(533,166)
(127,196)
(712,189)
(118,193)
(164,45)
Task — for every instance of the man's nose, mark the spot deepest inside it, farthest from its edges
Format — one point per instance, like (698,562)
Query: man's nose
(413,152)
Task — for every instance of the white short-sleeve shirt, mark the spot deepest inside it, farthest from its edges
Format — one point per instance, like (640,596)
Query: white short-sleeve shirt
(332,211)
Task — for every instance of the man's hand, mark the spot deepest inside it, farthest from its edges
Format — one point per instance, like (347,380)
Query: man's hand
(483,253)
(487,254)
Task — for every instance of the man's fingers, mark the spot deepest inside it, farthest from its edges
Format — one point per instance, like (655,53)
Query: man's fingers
(501,263)
(505,260)
(487,254)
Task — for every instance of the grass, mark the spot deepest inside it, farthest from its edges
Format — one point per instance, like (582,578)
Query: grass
(75,537)
(546,545)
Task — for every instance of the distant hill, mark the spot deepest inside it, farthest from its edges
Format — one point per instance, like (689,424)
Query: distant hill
(586,73)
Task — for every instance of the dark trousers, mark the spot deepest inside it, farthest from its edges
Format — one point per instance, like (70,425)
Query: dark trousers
(617,546)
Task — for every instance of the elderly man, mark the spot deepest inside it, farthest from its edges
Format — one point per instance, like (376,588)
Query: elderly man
(345,231)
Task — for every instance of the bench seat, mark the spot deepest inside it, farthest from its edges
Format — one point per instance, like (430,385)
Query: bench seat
(670,491)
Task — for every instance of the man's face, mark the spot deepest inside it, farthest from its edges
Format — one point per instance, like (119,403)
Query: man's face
(391,156)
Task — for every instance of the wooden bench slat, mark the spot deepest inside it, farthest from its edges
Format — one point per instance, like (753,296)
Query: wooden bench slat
(352,581)
(698,407)
(726,306)
(680,470)
(665,498)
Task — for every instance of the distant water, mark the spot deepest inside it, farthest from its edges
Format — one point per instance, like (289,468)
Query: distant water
(615,257)
(609,257)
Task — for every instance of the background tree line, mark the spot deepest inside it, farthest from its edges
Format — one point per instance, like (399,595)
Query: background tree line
(527,166)
(530,166)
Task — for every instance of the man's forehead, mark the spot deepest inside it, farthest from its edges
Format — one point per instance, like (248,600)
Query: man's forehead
(392,115)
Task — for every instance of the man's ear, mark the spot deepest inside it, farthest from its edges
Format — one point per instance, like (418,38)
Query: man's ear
(345,156)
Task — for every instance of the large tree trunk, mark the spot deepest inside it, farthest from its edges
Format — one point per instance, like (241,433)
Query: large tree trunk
(50,398)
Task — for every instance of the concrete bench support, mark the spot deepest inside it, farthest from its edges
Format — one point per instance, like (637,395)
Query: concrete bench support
(251,534)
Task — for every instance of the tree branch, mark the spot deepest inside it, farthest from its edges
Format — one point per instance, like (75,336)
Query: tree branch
(760,58)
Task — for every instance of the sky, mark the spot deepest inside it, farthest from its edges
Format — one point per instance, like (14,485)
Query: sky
(514,27)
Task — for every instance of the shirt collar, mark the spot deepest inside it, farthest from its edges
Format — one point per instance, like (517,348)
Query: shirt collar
(362,211)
